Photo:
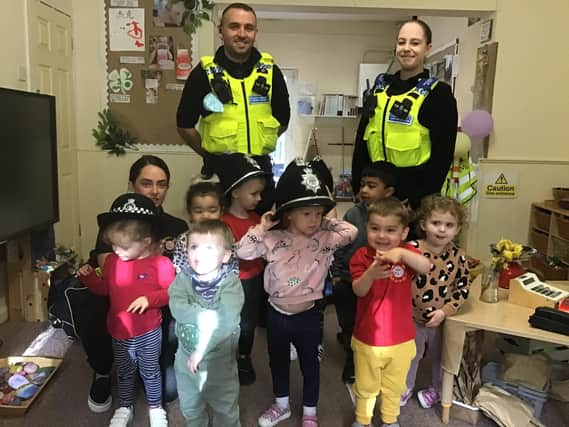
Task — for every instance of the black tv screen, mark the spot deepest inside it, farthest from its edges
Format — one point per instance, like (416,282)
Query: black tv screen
(28,158)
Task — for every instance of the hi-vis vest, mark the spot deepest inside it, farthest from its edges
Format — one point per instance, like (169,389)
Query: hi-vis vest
(460,182)
(403,142)
(246,124)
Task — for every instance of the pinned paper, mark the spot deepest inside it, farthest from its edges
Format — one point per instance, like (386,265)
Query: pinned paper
(183,64)
(161,52)
(131,59)
(126,29)
(151,83)
(120,80)
(124,3)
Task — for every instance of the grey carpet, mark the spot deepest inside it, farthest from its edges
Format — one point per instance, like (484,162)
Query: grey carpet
(64,401)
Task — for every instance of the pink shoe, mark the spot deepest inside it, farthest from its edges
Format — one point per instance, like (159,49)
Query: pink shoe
(309,421)
(405,397)
(429,397)
(274,415)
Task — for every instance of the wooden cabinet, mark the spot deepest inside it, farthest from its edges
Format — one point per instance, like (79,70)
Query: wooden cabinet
(549,233)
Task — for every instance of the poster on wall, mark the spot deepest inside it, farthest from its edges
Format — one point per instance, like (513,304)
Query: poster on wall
(120,82)
(183,64)
(126,29)
(501,185)
(151,83)
(161,52)
(165,13)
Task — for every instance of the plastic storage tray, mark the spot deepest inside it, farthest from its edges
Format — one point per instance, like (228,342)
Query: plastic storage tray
(535,399)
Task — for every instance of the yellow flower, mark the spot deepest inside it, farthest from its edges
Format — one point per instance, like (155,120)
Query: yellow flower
(508,255)
(517,250)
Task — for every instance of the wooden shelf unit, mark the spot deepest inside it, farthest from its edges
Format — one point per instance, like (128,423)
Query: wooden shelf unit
(549,230)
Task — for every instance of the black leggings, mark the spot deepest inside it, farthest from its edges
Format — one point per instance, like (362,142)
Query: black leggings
(253,290)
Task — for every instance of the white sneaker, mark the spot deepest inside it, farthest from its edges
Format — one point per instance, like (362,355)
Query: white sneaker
(122,417)
(293,353)
(158,417)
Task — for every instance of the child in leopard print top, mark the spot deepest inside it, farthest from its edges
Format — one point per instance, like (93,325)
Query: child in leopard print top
(439,293)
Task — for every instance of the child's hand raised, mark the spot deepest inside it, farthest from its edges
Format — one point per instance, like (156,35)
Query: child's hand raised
(194,361)
(392,256)
(267,221)
(85,270)
(379,268)
(139,305)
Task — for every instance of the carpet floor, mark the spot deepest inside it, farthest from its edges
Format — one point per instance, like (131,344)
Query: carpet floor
(64,400)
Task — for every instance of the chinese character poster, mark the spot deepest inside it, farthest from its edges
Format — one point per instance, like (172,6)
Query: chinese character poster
(126,29)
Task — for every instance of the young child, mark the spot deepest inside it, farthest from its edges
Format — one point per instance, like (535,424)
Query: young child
(378,182)
(383,336)
(206,299)
(136,281)
(204,200)
(298,258)
(243,181)
(438,293)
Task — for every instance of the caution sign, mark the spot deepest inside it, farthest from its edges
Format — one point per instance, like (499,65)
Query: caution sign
(501,185)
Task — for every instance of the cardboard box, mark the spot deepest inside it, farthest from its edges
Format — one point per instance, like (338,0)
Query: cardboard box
(463,412)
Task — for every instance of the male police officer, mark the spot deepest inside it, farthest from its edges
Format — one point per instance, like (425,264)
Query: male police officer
(241,97)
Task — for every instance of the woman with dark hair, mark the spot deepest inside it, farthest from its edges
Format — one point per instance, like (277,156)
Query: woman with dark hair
(148,176)
(409,120)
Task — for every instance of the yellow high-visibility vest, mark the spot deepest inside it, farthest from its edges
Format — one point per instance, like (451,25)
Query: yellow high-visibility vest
(401,141)
(246,124)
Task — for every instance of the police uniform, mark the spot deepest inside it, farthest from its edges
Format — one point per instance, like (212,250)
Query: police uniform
(412,124)
(255,105)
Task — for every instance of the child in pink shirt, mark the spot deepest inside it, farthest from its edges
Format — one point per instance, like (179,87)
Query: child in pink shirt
(298,257)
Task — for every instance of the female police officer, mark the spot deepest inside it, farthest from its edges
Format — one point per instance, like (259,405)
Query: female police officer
(409,120)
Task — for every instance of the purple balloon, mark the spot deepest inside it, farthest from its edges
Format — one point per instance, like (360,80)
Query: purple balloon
(477,124)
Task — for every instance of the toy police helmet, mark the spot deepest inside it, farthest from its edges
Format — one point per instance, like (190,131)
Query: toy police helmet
(300,186)
(237,169)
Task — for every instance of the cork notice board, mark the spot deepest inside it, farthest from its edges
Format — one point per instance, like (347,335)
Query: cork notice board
(148,54)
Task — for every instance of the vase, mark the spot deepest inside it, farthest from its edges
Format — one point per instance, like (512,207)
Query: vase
(489,286)
(510,271)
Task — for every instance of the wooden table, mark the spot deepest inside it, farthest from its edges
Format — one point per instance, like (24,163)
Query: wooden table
(500,317)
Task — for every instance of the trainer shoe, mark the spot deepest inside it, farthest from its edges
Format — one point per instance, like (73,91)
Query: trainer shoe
(405,397)
(245,370)
(123,417)
(100,399)
(274,415)
(309,421)
(158,417)
(429,397)
(348,373)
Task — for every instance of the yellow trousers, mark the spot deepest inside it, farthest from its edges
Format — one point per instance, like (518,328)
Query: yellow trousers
(380,371)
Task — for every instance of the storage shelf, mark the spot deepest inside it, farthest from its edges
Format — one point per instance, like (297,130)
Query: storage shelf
(549,230)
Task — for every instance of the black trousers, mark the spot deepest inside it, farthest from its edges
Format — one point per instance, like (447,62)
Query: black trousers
(98,343)
(345,302)
(253,290)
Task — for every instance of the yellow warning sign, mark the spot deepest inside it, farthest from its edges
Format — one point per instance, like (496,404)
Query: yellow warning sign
(500,186)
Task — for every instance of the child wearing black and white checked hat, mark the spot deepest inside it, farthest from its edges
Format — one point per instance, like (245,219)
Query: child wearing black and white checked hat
(136,279)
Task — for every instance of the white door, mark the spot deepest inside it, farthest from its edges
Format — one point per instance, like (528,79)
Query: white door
(51,72)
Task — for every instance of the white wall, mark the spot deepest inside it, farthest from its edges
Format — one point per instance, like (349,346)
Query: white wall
(13,32)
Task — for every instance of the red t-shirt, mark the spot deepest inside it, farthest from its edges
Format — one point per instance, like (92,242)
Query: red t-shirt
(239,227)
(384,317)
(125,281)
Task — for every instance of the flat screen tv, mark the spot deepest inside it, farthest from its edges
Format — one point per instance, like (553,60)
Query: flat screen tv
(28,162)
